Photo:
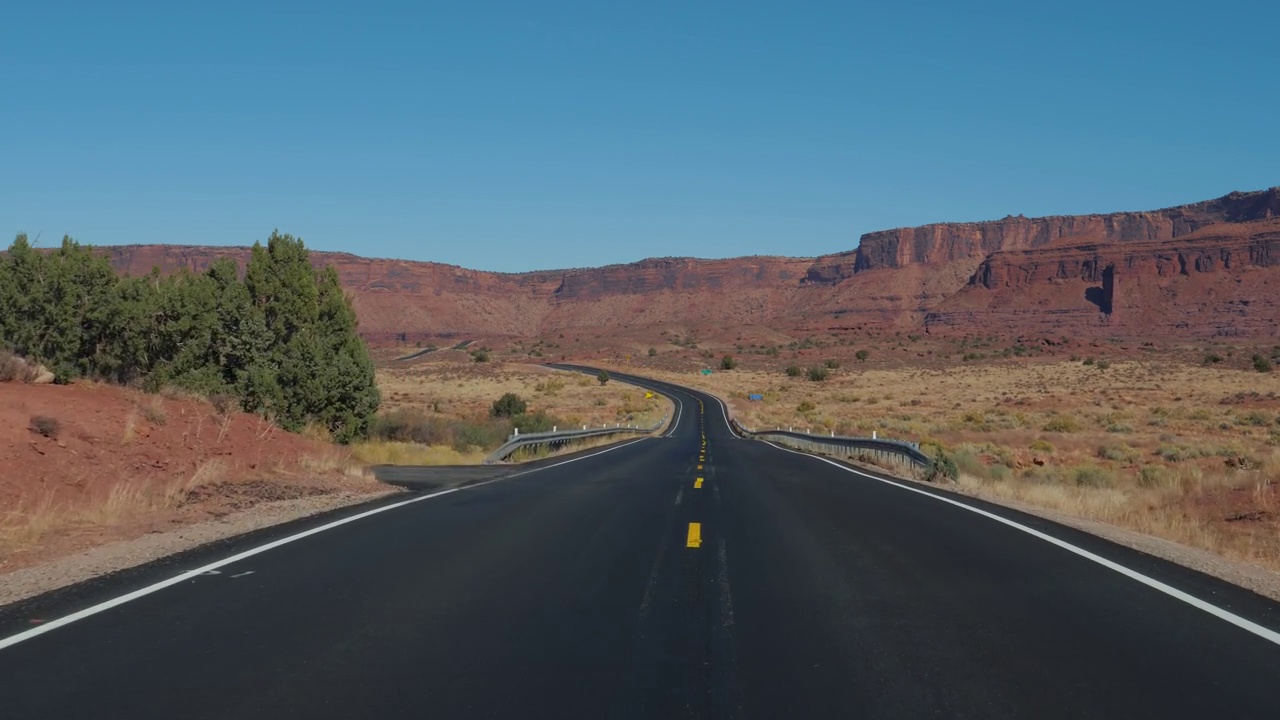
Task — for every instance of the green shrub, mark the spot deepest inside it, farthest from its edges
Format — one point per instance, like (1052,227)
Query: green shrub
(1119,427)
(1088,361)
(862,355)
(1042,446)
(1118,452)
(832,364)
(486,436)
(942,467)
(602,377)
(509,405)
(806,406)
(794,371)
(1261,364)
(535,422)
(818,374)
(481,355)
(1092,476)
(1102,364)
(653,352)
(1062,424)
(728,363)
(1212,358)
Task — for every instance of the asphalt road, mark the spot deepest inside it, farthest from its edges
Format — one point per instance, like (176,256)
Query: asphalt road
(573,591)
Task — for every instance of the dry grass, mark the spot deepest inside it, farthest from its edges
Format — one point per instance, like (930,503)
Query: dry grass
(1179,451)
(452,393)
(15,368)
(116,504)
(378,452)
(467,390)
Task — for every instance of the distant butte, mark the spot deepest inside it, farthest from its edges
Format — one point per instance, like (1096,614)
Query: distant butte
(1193,271)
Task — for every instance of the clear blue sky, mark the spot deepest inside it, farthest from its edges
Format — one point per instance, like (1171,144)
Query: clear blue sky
(526,135)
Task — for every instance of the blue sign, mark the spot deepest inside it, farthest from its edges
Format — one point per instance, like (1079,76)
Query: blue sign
(755,397)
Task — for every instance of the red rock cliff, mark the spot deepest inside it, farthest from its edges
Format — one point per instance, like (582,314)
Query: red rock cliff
(971,242)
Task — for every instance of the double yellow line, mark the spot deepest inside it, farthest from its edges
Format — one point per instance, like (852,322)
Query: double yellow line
(694,538)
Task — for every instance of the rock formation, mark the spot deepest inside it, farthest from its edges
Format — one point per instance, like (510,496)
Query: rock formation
(1194,270)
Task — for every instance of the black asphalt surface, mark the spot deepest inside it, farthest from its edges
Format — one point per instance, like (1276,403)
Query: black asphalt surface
(570,592)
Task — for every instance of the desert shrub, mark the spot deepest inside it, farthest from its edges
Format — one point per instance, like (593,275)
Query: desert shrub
(728,363)
(806,406)
(550,386)
(1153,476)
(480,356)
(832,364)
(1092,476)
(862,355)
(794,371)
(1088,361)
(1261,364)
(1178,453)
(535,422)
(486,436)
(998,472)
(1212,358)
(1042,446)
(1102,364)
(817,374)
(1255,418)
(46,425)
(653,352)
(222,403)
(1062,424)
(941,468)
(602,377)
(509,405)
(1117,452)
(968,462)
(155,414)
(1119,427)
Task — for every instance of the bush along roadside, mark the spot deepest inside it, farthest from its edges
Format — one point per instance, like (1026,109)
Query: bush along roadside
(282,340)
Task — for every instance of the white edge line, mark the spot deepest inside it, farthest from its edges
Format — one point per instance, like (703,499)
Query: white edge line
(679,410)
(141,592)
(1242,623)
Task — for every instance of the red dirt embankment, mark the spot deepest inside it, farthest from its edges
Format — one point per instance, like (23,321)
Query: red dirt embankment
(85,464)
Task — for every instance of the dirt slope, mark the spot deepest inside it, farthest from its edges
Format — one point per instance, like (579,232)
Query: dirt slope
(84,464)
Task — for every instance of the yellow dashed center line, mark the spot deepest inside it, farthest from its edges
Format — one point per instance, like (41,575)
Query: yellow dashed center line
(697,483)
(695,535)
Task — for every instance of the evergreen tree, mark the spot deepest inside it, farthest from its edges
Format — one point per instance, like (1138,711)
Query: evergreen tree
(283,340)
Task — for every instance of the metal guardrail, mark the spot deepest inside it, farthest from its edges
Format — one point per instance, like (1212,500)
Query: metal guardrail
(897,450)
(558,439)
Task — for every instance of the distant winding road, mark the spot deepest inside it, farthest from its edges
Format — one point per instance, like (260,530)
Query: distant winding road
(691,576)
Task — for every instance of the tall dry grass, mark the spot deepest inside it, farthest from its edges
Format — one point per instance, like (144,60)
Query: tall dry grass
(37,518)
(390,452)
